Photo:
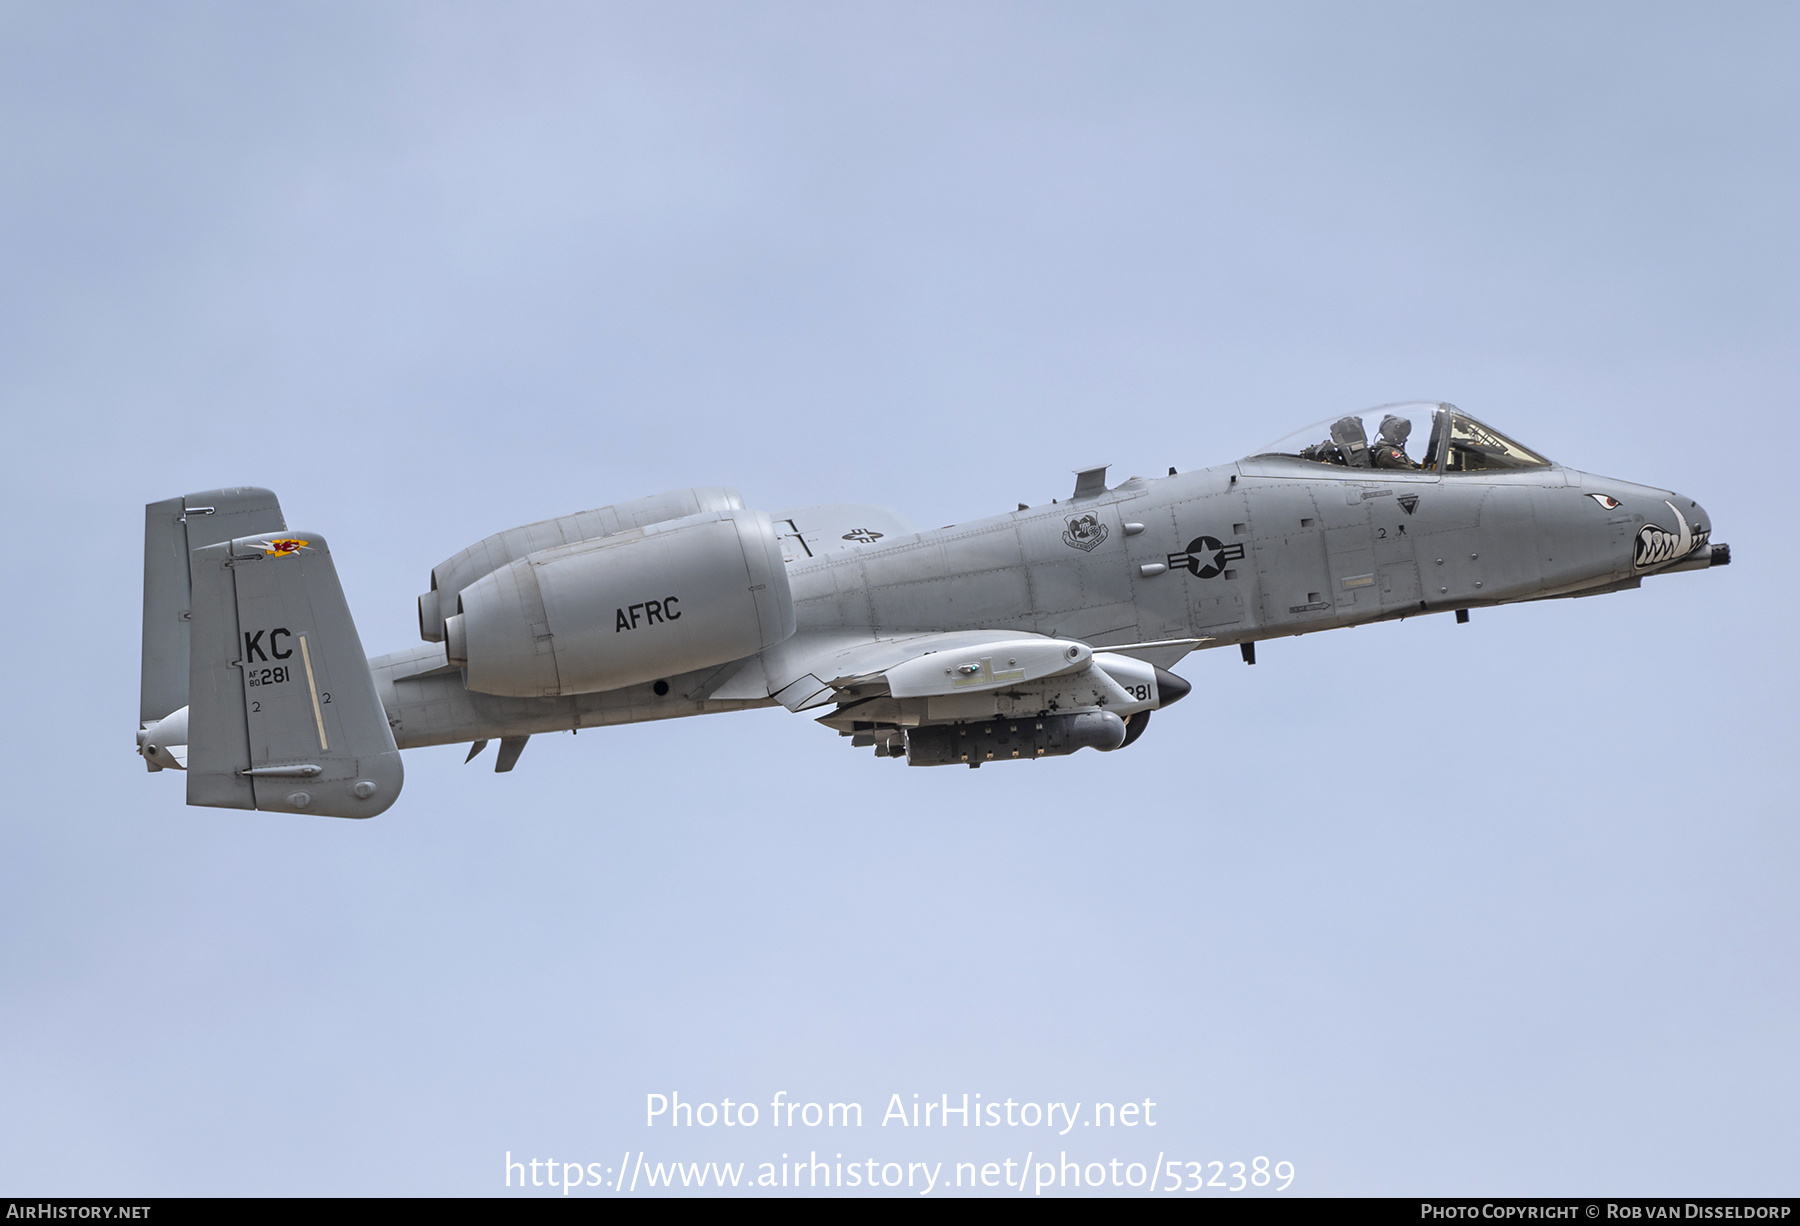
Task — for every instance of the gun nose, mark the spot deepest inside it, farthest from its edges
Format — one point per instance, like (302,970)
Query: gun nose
(1696,514)
(1676,536)
(1701,526)
(1720,553)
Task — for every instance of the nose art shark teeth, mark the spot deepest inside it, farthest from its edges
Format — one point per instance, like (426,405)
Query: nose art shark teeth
(1656,545)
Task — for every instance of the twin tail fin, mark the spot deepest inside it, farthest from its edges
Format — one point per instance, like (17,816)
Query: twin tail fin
(278,708)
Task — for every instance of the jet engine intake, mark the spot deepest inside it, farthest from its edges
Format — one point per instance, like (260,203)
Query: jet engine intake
(621,610)
(1003,740)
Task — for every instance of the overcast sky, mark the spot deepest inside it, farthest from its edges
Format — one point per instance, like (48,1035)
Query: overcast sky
(1421,908)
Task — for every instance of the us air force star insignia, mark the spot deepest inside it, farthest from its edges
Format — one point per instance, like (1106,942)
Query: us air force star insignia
(1084,532)
(863,536)
(281,547)
(1206,557)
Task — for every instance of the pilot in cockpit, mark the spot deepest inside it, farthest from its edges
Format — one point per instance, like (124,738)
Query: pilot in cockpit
(1389,450)
(1458,443)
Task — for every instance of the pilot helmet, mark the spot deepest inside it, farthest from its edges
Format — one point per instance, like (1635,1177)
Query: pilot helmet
(1395,430)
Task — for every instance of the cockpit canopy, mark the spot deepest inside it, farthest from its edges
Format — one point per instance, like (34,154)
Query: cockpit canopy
(1419,437)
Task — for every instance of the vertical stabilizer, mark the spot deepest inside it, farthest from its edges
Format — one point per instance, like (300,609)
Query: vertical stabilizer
(163,679)
(172,528)
(283,713)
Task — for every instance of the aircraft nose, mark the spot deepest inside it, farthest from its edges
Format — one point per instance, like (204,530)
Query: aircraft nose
(1720,552)
(1702,526)
(1675,530)
(1658,529)
(1695,513)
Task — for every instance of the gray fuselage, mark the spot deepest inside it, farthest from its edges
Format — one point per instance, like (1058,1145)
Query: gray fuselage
(1256,549)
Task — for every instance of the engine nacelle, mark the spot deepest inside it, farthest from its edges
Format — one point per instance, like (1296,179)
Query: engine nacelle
(450,577)
(621,610)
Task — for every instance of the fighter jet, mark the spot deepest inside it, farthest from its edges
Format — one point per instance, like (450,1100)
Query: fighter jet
(1032,634)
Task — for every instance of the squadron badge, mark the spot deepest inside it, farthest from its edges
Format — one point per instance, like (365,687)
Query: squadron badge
(1084,532)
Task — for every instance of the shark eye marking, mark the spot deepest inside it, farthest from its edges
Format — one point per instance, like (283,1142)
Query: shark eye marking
(1605,500)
